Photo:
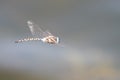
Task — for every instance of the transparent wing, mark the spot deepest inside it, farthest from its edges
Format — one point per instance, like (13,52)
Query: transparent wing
(36,30)
(48,33)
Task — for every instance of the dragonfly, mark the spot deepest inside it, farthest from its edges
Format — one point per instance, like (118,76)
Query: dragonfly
(39,35)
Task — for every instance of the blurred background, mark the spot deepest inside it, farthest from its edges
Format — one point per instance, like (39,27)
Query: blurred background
(89,29)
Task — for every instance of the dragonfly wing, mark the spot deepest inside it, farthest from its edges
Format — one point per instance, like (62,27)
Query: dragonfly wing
(35,29)
(47,33)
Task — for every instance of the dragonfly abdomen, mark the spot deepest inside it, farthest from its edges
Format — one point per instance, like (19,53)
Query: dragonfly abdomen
(27,39)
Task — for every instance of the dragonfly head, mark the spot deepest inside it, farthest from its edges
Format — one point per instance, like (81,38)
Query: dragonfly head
(58,40)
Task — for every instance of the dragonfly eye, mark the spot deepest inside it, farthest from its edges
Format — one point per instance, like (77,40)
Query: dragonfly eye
(58,40)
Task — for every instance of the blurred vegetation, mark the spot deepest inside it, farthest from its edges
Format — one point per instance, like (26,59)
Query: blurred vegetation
(102,72)
(21,75)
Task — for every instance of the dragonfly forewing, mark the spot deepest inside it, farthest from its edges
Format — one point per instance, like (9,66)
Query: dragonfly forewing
(35,29)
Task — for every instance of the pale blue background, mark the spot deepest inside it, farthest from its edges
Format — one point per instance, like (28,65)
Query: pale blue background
(89,29)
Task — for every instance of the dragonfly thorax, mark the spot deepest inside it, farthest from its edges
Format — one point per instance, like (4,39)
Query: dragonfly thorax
(51,39)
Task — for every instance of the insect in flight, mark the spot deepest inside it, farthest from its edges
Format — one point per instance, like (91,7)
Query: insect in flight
(39,35)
